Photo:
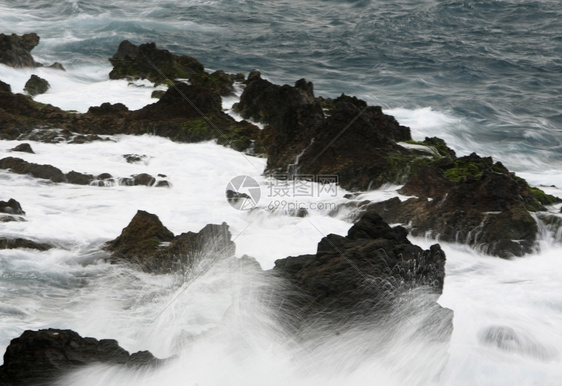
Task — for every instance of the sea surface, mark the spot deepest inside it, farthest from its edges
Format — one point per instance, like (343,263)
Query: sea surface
(486,76)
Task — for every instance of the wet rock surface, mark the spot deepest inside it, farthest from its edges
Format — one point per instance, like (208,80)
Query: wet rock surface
(364,272)
(487,207)
(161,66)
(471,199)
(36,85)
(185,113)
(40,357)
(148,245)
(18,243)
(49,172)
(24,148)
(11,210)
(15,50)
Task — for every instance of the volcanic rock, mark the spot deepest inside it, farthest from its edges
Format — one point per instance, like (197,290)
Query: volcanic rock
(149,245)
(36,85)
(364,276)
(24,148)
(19,166)
(160,66)
(185,113)
(15,50)
(470,200)
(17,243)
(40,357)
(11,211)
(148,62)
(143,179)
(77,178)
(11,207)
(356,142)
(141,239)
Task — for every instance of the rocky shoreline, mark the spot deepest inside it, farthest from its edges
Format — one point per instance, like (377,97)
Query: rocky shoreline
(372,272)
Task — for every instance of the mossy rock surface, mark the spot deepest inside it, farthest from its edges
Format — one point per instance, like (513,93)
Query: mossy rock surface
(36,85)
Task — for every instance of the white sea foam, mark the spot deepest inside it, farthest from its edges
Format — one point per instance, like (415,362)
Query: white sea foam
(219,331)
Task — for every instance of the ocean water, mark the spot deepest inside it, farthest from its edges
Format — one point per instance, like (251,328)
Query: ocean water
(486,76)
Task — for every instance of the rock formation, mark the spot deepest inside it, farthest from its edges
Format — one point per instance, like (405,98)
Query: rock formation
(40,357)
(36,85)
(147,244)
(364,276)
(49,172)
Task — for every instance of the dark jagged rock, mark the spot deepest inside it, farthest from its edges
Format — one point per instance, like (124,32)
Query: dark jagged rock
(357,145)
(24,148)
(5,87)
(469,200)
(148,62)
(157,94)
(19,166)
(367,269)
(234,197)
(140,240)
(40,357)
(17,243)
(218,81)
(266,102)
(36,85)
(185,113)
(11,207)
(15,50)
(160,66)
(187,250)
(143,179)
(108,108)
(77,178)
(144,243)
(11,210)
(357,142)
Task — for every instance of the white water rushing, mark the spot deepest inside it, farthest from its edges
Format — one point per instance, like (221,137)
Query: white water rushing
(218,331)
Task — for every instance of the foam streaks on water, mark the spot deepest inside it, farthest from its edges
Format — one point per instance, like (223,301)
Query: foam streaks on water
(483,75)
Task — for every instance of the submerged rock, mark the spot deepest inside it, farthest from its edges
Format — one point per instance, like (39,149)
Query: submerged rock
(509,340)
(40,357)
